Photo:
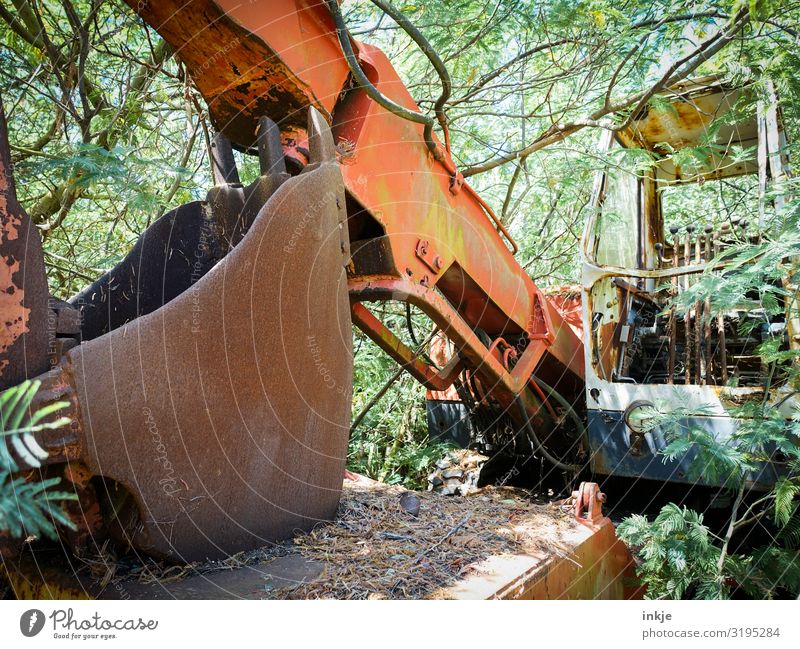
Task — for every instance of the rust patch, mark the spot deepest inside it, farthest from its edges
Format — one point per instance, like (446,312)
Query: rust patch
(12,311)
(14,314)
(252,59)
(23,284)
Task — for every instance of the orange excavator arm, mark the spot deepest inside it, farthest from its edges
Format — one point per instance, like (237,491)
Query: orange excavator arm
(418,232)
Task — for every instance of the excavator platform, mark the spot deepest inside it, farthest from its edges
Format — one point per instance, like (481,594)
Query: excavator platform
(385,543)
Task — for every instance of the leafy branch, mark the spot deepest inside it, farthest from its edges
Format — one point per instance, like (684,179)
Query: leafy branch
(28,507)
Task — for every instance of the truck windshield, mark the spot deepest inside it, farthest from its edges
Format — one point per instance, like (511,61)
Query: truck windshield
(617,227)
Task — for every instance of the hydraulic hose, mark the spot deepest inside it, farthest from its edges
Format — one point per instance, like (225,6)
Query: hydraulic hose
(573,468)
(375,94)
(444,76)
(403,112)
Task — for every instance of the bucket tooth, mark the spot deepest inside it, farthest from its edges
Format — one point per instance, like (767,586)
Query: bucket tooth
(223,164)
(183,245)
(270,151)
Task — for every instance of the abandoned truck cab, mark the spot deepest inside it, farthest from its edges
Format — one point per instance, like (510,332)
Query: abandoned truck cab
(704,162)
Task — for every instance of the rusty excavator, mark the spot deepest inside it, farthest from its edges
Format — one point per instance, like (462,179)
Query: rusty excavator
(208,375)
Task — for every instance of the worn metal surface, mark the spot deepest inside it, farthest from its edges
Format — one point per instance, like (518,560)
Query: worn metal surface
(225,412)
(23,283)
(407,205)
(454,327)
(250,59)
(175,251)
(612,454)
(392,345)
(592,563)
(588,504)
(448,421)
(687,121)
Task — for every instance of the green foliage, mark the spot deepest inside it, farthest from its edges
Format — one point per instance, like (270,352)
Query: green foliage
(766,573)
(785,492)
(394,456)
(751,278)
(678,557)
(126,144)
(97,156)
(391,443)
(27,507)
(711,461)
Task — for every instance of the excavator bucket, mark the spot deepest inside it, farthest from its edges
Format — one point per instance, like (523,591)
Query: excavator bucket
(218,421)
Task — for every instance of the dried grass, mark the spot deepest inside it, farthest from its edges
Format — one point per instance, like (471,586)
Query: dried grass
(376,550)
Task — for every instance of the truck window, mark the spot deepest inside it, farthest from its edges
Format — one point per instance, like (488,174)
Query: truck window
(712,202)
(616,234)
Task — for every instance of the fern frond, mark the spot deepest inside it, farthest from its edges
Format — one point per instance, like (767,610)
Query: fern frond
(785,492)
(28,507)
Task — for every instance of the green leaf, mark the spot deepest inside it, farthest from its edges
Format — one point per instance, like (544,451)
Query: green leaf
(785,491)
(28,507)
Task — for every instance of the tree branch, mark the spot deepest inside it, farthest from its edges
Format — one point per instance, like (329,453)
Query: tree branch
(677,72)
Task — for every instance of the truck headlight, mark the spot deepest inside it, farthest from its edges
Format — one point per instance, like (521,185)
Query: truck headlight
(641,417)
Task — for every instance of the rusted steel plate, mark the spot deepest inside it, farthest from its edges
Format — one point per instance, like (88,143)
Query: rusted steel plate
(590,564)
(688,120)
(226,412)
(454,327)
(23,282)
(250,59)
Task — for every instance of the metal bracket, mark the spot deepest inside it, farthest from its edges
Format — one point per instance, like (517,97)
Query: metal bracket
(428,256)
(588,504)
